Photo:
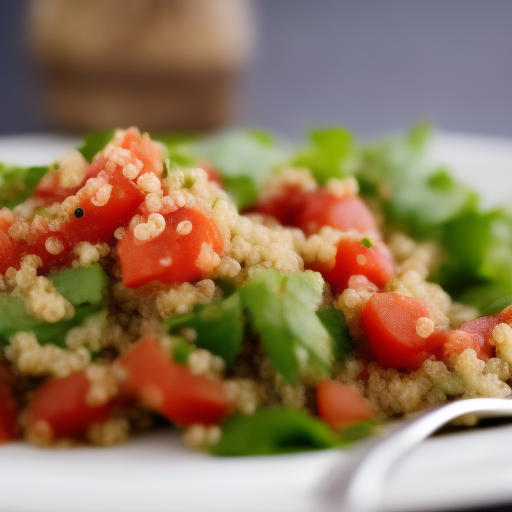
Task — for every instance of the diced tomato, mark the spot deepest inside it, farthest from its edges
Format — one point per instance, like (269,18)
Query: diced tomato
(481,330)
(8,405)
(475,335)
(389,322)
(505,316)
(340,405)
(212,173)
(285,206)
(376,263)
(49,190)
(170,257)
(454,341)
(170,388)
(97,224)
(322,208)
(147,151)
(9,249)
(59,408)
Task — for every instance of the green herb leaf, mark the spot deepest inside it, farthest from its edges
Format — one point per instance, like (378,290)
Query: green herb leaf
(283,315)
(18,183)
(219,327)
(251,155)
(269,432)
(334,321)
(499,305)
(358,431)
(478,267)
(181,350)
(94,142)
(367,243)
(332,154)
(242,190)
(83,287)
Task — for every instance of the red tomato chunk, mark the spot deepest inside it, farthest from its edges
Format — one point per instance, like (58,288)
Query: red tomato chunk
(340,405)
(60,408)
(8,406)
(171,257)
(285,206)
(170,388)
(376,263)
(389,322)
(322,208)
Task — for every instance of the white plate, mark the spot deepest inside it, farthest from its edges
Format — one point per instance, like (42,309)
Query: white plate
(158,473)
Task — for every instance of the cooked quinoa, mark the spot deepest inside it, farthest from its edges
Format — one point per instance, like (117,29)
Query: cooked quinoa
(140,283)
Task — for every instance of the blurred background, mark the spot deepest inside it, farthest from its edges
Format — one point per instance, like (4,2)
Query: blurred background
(284,65)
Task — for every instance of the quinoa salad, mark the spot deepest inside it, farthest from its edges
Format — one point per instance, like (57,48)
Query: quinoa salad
(260,298)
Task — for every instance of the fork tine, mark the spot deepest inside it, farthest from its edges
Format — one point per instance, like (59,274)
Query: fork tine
(359,486)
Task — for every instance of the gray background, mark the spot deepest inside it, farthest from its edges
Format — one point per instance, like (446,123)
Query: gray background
(372,65)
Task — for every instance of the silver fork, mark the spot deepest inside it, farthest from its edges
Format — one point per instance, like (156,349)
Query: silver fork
(359,485)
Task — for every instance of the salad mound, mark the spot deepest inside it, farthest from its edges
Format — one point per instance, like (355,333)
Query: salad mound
(262,298)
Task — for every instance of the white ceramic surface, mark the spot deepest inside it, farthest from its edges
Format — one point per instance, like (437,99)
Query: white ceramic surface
(157,473)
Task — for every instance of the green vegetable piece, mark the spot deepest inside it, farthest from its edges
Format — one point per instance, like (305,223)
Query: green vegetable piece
(94,142)
(219,327)
(269,432)
(478,267)
(18,183)
(357,431)
(14,318)
(80,285)
(243,159)
(307,286)
(295,339)
(181,350)
(179,150)
(242,190)
(241,154)
(499,305)
(367,243)
(332,154)
(334,321)
(431,201)
(83,287)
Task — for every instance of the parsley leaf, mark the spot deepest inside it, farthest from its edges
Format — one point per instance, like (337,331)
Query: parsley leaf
(83,287)
(18,183)
(334,321)
(94,142)
(219,327)
(268,432)
(243,159)
(332,154)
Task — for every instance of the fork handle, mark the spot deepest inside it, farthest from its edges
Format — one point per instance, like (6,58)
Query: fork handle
(359,485)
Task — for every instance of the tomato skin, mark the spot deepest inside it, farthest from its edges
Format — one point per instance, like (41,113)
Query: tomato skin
(61,403)
(9,248)
(170,388)
(481,330)
(182,250)
(376,263)
(96,226)
(322,208)
(49,190)
(389,322)
(340,405)
(284,207)
(145,150)
(475,335)
(9,428)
